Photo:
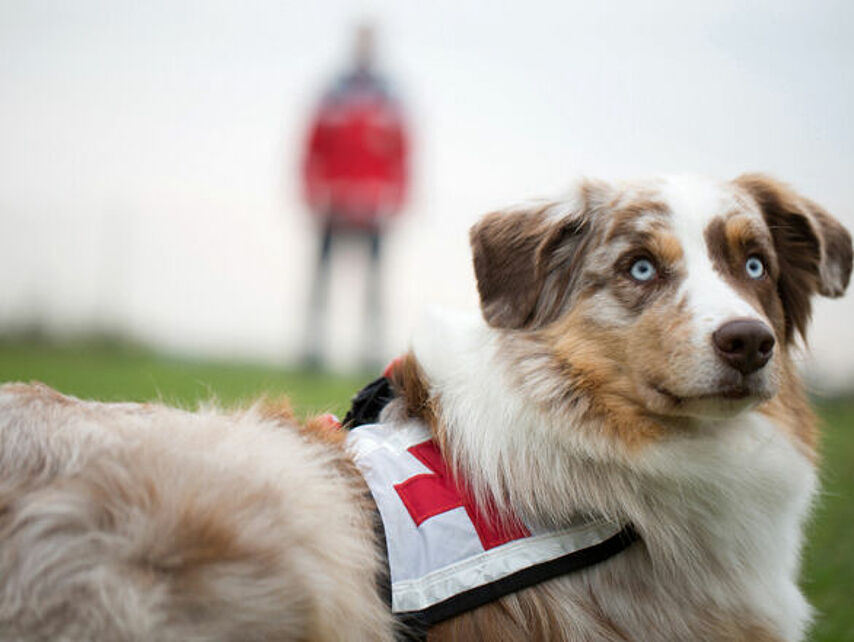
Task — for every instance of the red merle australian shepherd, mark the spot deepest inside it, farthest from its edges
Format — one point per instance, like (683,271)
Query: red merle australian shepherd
(623,432)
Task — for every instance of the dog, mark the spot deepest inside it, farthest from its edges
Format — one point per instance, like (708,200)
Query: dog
(631,373)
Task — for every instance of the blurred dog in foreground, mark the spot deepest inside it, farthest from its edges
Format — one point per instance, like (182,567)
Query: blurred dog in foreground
(633,372)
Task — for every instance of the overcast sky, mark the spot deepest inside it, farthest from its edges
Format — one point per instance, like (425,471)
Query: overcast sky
(149,150)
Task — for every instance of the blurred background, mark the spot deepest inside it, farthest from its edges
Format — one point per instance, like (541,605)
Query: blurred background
(154,238)
(150,152)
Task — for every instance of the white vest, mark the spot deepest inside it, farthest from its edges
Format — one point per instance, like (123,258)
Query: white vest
(445,555)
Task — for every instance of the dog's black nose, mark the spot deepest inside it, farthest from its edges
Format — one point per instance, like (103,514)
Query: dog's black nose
(744,344)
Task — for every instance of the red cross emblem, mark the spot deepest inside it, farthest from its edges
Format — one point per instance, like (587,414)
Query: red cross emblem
(431,494)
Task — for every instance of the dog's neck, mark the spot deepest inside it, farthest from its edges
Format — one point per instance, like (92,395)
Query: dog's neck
(737,487)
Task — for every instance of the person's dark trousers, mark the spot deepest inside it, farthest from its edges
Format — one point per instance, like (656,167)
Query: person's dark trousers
(316,322)
(373,331)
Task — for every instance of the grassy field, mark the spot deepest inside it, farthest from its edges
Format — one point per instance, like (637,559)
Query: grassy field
(110,373)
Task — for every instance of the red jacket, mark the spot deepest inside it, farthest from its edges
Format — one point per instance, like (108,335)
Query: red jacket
(355,168)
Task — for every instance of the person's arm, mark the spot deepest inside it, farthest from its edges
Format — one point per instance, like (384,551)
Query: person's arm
(315,188)
(398,166)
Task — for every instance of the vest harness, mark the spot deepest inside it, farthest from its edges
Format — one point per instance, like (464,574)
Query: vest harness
(448,554)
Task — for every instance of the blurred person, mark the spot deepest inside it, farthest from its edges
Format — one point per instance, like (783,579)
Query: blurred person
(354,180)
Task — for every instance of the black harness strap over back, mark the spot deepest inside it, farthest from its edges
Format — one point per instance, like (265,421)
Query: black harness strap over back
(368,403)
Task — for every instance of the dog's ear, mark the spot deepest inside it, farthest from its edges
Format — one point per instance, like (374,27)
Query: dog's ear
(813,249)
(523,258)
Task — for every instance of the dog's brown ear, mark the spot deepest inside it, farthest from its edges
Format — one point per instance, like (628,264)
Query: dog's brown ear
(518,254)
(813,249)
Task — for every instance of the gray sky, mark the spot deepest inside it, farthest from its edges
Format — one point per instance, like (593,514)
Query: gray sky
(148,166)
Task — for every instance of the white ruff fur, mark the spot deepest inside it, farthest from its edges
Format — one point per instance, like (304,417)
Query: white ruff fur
(719,508)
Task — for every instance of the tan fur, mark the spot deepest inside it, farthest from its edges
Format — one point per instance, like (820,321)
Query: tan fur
(535,614)
(667,247)
(523,616)
(409,384)
(140,522)
(594,364)
(790,410)
(740,231)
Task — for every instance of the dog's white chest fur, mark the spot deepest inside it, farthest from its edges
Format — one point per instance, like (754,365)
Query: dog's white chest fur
(721,506)
(742,494)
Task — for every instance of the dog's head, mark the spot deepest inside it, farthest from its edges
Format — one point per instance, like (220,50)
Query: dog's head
(679,295)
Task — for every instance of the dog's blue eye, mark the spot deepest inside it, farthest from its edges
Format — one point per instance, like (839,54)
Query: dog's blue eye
(755,267)
(642,270)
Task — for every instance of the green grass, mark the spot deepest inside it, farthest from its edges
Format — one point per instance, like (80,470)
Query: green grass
(108,373)
(828,576)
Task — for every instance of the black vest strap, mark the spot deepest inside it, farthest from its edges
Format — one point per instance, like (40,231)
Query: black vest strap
(366,405)
(527,577)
